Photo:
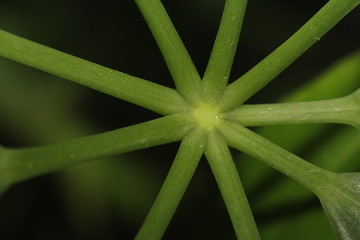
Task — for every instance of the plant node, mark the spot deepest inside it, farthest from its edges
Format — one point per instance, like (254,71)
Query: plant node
(207,115)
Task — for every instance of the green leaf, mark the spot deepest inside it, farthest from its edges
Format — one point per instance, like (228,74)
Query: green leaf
(341,203)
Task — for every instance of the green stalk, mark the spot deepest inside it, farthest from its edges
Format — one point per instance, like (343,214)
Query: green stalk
(344,110)
(120,85)
(23,163)
(179,176)
(260,75)
(218,69)
(223,167)
(307,174)
(182,69)
(340,153)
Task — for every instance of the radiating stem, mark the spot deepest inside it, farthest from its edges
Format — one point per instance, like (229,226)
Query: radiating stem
(260,75)
(114,83)
(289,164)
(222,56)
(340,153)
(23,163)
(174,187)
(182,69)
(344,110)
(223,167)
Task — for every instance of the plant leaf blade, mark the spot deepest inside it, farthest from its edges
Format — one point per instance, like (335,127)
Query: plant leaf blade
(341,203)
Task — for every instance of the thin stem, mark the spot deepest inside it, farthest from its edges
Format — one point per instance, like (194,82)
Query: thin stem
(182,69)
(174,187)
(23,163)
(222,56)
(114,83)
(260,75)
(338,154)
(223,167)
(289,164)
(344,110)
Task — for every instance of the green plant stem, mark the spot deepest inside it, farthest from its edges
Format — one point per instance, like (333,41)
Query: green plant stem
(182,69)
(23,163)
(120,85)
(344,110)
(179,176)
(255,79)
(223,167)
(307,174)
(340,153)
(218,69)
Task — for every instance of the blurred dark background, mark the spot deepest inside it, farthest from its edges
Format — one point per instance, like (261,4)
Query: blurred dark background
(96,200)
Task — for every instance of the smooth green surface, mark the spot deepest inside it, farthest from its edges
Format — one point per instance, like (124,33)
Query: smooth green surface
(183,71)
(344,110)
(180,174)
(241,138)
(106,80)
(23,163)
(223,167)
(218,70)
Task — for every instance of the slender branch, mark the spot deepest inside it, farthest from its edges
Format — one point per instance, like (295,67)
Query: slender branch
(222,56)
(180,174)
(344,110)
(23,163)
(114,83)
(182,69)
(223,167)
(340,153)
(289,164)
(260,75)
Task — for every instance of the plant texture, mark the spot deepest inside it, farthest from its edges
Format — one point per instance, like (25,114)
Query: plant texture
(207,114)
